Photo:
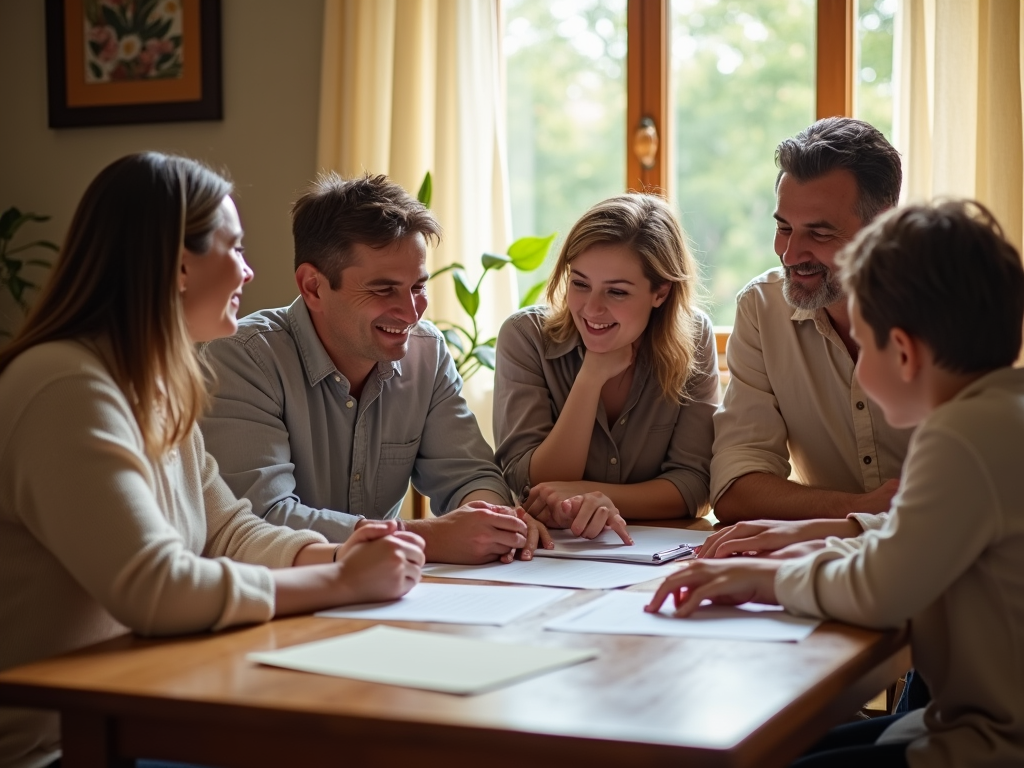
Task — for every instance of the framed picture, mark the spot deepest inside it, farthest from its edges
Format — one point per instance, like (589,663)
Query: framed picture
(112,62)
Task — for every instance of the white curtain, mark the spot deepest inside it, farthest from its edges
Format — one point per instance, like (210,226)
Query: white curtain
(409,86)
(960,66)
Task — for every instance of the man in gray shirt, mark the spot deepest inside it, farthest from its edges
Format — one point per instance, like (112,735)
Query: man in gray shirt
(325,409)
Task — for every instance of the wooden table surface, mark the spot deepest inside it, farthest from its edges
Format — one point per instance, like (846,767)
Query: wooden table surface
(643,701)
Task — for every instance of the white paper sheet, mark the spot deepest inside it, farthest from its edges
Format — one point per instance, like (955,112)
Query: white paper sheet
(647,541)
(553,572)
(455,604)
(622,613)
(428,660)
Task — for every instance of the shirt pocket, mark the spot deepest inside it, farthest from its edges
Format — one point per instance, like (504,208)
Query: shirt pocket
(393,473)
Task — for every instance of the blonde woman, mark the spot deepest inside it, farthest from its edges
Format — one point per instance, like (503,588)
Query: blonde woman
(112,515)
(603,400)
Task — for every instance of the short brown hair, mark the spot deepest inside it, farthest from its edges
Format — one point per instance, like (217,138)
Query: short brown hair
(853,145)
(945,274)
(335,213)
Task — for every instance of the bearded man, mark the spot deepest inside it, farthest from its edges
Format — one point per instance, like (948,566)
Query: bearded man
(796,437)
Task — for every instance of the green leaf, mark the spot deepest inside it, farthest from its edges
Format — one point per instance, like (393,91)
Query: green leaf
(533,295)
(145,9)
(453,339)
(485,355)
(426,190)
(468,298)
(494,260)
(12,219)
(115,20)
(7,220)
(448,268)
(528,253)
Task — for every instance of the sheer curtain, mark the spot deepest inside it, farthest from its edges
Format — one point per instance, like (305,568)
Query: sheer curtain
(958,103)
(409,86)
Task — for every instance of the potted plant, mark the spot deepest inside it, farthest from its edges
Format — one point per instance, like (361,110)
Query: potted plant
(470,352)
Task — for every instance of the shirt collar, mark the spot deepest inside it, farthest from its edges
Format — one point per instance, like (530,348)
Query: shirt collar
(554,349)
(315,360)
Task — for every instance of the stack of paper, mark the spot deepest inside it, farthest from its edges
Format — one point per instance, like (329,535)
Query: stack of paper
(455,604)
(432,661)
(622,613)
(651,546)
(552,572)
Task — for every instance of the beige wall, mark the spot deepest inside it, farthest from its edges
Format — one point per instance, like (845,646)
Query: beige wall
(267,139)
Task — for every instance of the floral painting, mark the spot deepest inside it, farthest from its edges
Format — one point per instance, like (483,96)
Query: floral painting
(128,40)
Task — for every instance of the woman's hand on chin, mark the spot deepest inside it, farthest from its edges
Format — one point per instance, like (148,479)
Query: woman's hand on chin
(602,366)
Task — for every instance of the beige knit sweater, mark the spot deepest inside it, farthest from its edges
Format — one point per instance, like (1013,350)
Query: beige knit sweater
(96,539)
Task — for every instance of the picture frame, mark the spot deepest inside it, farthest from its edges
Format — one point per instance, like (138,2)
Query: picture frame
(118,62)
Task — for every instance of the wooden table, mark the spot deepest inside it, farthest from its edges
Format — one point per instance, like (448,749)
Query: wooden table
(644,701)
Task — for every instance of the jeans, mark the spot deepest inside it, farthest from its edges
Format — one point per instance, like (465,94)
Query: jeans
(914,696)
(853,745)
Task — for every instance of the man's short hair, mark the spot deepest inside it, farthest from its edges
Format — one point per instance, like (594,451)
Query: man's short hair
(335,213)
(945,274)
(853,145)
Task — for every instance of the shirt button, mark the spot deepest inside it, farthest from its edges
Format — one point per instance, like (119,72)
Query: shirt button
(622,422)
(348,404)
(614,460)
(860,405)
(356,476)
(867,459)
(337,378)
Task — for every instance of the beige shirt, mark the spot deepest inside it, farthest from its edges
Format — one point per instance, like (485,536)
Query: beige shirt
(652,438)
(948,559)
(793,403)
(97,539)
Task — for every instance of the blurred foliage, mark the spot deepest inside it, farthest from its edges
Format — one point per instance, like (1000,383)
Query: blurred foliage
(742,80)
(12,278)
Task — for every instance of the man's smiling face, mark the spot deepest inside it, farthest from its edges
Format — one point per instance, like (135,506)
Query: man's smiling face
(814,219)
(381,297)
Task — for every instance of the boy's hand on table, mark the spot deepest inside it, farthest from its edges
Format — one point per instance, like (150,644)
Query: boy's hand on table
(723,582)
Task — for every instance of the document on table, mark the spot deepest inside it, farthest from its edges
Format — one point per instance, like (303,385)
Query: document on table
(455,604)
(622,613)
(552,572)
(651,545)
(429,660)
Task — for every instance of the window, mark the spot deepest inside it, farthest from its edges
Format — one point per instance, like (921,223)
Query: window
(723,80)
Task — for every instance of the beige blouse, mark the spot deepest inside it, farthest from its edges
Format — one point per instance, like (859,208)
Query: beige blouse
(652,438)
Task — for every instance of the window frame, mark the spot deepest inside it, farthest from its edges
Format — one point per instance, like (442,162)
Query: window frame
(647,78)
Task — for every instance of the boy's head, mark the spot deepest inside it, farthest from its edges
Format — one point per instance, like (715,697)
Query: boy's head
(945,275)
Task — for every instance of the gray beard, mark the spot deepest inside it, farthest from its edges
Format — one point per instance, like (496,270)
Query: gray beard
(828,292)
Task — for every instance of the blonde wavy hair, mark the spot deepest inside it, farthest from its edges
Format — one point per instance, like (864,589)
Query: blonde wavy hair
(115,287)
(646,225)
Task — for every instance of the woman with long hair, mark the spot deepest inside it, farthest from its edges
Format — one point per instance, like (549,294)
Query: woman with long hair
(112,515)
(603,400)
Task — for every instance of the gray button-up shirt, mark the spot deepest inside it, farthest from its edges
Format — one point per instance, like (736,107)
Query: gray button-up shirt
(793,397)
(290,438)
(652,438)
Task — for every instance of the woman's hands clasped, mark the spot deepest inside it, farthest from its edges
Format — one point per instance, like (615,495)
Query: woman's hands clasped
(566,505)
(380,562)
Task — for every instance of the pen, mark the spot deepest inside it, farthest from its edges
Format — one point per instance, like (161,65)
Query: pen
(671,554)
